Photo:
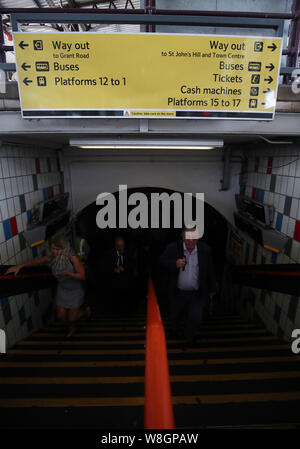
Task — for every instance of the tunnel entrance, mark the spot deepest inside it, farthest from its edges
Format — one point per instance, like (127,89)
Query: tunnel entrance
(148,244)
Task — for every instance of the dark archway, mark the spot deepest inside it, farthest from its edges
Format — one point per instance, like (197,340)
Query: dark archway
(149,243)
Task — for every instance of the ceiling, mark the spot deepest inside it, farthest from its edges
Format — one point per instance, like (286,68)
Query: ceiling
(87,4)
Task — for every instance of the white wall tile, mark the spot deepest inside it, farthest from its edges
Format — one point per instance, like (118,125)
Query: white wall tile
(20,185)
(18,164)
(10,248)
(281,204)
(28,201)
(298,168)
(13,305)
(2,235)
(25,220)
(298,214)
(7,187)
(4,209)
(283,186)
(278,184)
(286,168)
(291,227)
(5,169)
(30,183)
(26,184)
(296,192)
(292,169)
(20,223)
(295,250)
(284,224)
(3,253)
(294,208)
(11,207)
(14,186)
(17,205)
(11,166)
(2,191)
(16,243)
(290,186)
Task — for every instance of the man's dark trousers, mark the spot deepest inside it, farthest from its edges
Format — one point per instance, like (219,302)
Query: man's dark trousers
(192,302)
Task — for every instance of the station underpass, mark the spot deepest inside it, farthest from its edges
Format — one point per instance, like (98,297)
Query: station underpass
(239,375)
(242,372)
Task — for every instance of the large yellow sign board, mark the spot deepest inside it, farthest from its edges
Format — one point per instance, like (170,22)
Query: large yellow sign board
(147,75)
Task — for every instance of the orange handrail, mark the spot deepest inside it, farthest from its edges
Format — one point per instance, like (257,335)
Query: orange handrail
(158,401)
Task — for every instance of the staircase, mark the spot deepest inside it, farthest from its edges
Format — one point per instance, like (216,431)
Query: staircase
(237,376)
(94,379)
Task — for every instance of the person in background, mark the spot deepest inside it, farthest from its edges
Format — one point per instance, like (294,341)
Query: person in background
(82,249)
(119,267)
(70,274)
(191,281)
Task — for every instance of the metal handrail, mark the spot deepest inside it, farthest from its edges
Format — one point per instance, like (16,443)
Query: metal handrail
(158,401)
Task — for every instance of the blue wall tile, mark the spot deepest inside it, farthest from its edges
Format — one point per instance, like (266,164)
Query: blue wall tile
(45,193)
(261,195)
(277,314)
(22,315)
(3,302)
(295,299)
(7,229)
(274,258)
(279,222)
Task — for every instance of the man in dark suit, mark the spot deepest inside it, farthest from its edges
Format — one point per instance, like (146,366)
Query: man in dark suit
(191,281)
(119,267)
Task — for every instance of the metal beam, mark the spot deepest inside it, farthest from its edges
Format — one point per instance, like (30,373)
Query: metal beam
(209,21)
(284,124)
(249,14)
(8,66)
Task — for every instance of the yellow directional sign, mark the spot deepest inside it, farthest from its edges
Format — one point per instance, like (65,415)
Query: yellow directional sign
(147,75)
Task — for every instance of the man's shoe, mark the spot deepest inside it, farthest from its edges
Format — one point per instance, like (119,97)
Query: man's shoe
(72,331)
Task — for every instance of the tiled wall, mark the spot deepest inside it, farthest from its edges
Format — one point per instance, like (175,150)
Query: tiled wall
(272,176)
(27,175)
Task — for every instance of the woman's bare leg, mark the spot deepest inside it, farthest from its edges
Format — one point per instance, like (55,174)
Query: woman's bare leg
(75,315)
(61,313)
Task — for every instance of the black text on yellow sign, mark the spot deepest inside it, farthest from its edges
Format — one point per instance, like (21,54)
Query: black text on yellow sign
(147,75)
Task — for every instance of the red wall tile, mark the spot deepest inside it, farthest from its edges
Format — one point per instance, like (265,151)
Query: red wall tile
(297,231)
(270,165)
(13,225)
(37,165)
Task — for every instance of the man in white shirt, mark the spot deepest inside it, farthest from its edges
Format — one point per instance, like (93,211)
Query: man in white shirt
(191,281)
